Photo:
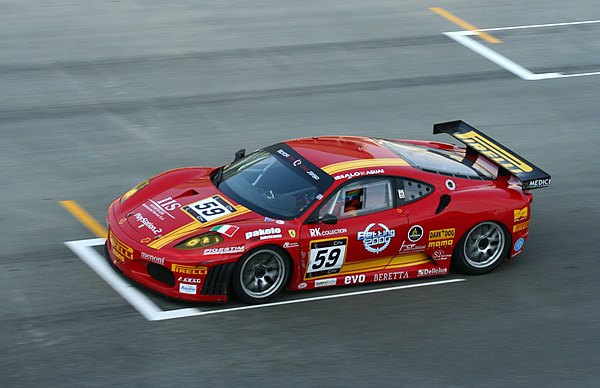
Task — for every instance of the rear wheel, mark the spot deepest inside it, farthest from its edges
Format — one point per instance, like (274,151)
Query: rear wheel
(482,248)
(260,275)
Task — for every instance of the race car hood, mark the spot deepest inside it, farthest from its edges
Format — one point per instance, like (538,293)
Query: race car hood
(168,214)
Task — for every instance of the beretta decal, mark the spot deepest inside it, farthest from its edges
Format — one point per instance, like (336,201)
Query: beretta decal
(210,209)
(326,257)
(376,237)
(382,277)
(415,233)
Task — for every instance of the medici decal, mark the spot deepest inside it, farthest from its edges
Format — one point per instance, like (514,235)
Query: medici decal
(376,237)
(326,257)
(209,209)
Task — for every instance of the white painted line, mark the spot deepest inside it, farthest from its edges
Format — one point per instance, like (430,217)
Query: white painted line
(98,264)
(150,311)
(463,37)
(518,70)
(540,25)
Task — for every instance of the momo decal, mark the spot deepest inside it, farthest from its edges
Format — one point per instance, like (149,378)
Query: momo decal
(376,237)
(326,257)
(210,209)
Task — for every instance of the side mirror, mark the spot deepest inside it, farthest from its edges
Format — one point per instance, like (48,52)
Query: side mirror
(240,154)
(329,219)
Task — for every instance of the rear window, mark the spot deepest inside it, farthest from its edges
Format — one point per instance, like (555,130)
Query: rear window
(438,161)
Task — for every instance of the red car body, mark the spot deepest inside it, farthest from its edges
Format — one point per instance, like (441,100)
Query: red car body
(394,218)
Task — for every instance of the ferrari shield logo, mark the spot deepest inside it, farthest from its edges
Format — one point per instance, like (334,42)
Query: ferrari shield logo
(292,233)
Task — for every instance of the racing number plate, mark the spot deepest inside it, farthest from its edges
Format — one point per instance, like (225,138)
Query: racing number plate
(209,209)
(326,257)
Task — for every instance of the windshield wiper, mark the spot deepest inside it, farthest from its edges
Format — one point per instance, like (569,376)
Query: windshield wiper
(218,176)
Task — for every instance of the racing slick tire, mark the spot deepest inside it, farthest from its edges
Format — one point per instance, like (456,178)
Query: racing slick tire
(260,275)
(482,248)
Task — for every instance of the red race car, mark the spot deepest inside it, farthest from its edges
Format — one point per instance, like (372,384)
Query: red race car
(325,211)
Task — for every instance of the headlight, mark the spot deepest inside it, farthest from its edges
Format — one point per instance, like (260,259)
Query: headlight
(201,241)
(133,190)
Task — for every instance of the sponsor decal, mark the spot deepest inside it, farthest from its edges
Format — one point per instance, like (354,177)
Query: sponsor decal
(290,245)
(210,209)
(302,285)
(432,272)
(519,244)
(264,234)
(410,248)
(187,288)
(495,152)
(147,223)
(440,244)
(382,277)
(153,259)
(440,255)
(350,175)
(122,221)
(521,214)
(536,183)
(317,232)
(326,257)
(450,185)
(119,249)
(189,280)
(325,282)
(189,270)
(354,279)
(298,164)
(223,250)
(521,226)
(415,233)
(162,207)
(376,237)
(227,230)
(292,233)
(441,234)
(145,240)
(269,219)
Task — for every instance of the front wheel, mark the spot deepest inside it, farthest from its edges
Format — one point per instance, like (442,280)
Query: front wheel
(481,249)
(260,275)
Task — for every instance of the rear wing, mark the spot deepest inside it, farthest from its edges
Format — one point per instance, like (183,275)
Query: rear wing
(530,176)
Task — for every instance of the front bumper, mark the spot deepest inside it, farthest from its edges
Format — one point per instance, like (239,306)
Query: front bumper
(176,278)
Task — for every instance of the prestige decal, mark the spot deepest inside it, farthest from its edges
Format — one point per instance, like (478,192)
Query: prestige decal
(317,232)
(147,223)
(264,234)
(415,233)
(376,237)
(494,152)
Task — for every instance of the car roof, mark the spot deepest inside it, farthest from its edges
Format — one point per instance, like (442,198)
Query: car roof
(334,154)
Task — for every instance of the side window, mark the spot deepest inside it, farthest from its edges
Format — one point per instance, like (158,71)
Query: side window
(360,197)
(409,190)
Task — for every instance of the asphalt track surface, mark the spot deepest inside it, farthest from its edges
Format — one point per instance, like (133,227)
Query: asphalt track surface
(97,96)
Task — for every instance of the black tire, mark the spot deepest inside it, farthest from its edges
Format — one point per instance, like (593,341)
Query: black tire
(260,275)
(482,248)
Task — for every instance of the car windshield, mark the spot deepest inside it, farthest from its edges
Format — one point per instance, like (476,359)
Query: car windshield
(438,161)
(269,184)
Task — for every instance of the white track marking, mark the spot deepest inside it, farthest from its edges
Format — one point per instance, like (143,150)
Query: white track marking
(464,38)
(83,249)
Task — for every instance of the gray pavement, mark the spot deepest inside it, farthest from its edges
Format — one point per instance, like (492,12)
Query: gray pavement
(96,97)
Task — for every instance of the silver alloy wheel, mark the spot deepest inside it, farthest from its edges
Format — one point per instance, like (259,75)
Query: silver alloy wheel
(262,273)
(484,245)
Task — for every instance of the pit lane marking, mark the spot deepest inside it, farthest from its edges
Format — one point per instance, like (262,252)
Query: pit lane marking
(463,37)
(149,310)
(467,26)
(85,218)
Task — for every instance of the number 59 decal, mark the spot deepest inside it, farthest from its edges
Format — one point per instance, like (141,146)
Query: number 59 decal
(209,209)
(326,257)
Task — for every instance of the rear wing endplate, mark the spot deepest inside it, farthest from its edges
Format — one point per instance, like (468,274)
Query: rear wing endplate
(530,176)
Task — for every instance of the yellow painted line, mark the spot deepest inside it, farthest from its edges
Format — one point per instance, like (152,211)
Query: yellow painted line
(85,218)
(463,24)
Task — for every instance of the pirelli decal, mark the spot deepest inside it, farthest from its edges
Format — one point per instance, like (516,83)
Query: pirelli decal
(494,151)
(119,249)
